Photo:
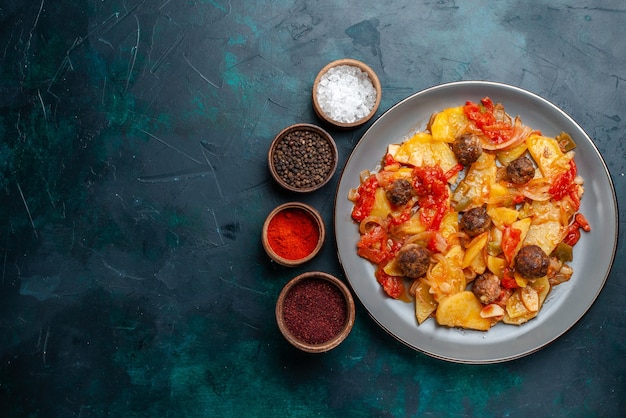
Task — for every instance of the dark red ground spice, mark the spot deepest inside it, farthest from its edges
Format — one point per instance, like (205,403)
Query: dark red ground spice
(314,311)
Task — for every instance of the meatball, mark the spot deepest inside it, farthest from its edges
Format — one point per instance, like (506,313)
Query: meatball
(400,192)
(531,262)
(520,170)
(467,148)
(475,221)
(414,260)
(487,288)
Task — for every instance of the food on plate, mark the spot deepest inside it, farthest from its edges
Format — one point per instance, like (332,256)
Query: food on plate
(472,219)
(467,148)
(475,221)
(487,288)
(413,260)
(531,262)
(520,171)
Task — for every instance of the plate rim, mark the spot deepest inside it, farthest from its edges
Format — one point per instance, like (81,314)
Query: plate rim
(528,96)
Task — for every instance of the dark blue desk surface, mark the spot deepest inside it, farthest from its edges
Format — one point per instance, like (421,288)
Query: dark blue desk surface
(134,185)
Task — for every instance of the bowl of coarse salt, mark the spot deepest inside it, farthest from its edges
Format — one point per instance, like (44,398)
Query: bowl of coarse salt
(346,93)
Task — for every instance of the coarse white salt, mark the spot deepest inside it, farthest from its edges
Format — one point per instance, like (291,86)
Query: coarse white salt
(346,94)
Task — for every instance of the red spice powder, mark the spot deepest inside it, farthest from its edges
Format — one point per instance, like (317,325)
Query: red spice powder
(315,311)
(293,234)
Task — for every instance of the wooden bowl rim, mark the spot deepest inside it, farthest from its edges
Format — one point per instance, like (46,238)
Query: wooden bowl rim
(333,342)
(317,217)
(302,127)
(354,63)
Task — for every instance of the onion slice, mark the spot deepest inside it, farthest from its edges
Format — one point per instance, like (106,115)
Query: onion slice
(520,133)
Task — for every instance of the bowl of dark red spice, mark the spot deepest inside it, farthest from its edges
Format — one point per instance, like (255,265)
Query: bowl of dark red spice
(293,233)
(346,93)
(303,157)
(315,312)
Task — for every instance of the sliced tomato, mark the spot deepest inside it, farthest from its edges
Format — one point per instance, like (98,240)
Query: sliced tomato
(453,171)
(431,186)
(573,231)
(373,245)
(511,238)
(582,221)
(485,119)
(392,285)
(366,196)
(401,217)
(564,185)
(508,281)
(389,160)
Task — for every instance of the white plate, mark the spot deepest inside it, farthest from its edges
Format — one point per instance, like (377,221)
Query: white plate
(566,303)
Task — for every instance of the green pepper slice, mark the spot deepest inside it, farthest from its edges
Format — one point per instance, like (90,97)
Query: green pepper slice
(566,143)
(563,252)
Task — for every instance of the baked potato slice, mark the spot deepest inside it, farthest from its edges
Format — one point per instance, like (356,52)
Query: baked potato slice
(462,310)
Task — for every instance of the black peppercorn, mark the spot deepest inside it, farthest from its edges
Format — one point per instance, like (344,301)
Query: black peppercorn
(303,158)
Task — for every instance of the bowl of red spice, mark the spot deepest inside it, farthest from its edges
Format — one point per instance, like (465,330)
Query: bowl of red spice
(293,233)
(346,93)
(302,157)
(315,312)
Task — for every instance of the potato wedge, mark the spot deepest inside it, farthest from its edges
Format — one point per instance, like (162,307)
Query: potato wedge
(478,264)
(447,123)
(425,304)
(530,298)
(474,249)
(462,310)
(392,268)
(496,265)
(506,156)
(548,155)
(516,313)
(501,216)
(382,207)
(411,227)
(546,235)
(450,225)
(421,150)
(447,275)
(492,311)
(475,188)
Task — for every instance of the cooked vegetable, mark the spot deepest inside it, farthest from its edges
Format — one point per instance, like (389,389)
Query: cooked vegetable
(566,143)
(447,123)
(516,311)
(425,304)
(563,252)
(462,310)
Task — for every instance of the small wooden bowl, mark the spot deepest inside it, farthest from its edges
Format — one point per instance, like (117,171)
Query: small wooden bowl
(353,63)
(313,214)
(277,157)
(335,340)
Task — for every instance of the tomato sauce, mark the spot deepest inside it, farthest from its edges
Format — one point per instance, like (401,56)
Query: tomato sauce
(485,119)
(365,200)
(432,190)
(565,185)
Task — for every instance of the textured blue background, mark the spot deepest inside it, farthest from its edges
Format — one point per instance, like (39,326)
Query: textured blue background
(134,184)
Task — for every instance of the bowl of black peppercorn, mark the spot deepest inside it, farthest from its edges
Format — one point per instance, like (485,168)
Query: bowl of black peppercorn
(302,157)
